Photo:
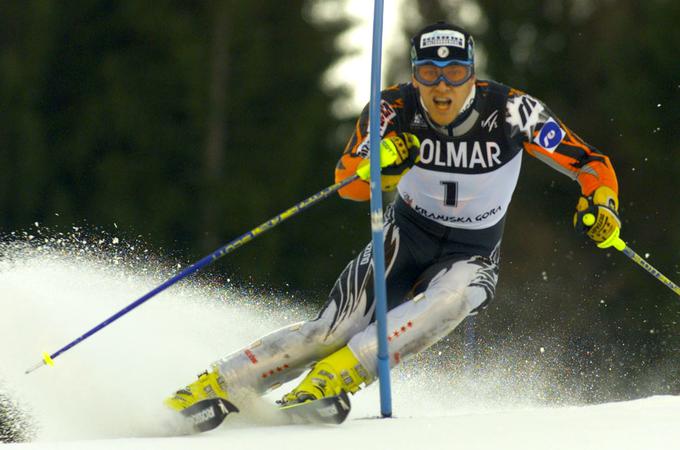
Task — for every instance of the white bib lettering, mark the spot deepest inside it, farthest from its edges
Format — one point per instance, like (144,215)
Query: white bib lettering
(481,199)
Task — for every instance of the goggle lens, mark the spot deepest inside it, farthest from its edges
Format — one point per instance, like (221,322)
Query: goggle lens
(453,74)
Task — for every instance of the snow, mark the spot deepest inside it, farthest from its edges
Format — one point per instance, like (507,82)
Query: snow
(643,424)
(106,393)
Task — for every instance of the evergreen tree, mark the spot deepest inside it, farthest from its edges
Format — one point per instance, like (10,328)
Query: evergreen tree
(186,123)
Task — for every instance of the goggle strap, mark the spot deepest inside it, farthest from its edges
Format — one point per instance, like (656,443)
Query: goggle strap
(442,64)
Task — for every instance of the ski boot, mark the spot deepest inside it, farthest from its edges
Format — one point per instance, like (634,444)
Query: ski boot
(340,372)
(204,402)
(209,385)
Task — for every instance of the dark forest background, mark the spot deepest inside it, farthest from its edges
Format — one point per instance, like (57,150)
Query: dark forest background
(189,122)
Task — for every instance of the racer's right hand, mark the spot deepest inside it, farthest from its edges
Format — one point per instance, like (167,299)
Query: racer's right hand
(398,153)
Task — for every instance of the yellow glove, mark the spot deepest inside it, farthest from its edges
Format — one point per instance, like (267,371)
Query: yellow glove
(398,154)
(597,216)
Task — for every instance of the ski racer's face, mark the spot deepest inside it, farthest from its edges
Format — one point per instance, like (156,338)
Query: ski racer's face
(442,100)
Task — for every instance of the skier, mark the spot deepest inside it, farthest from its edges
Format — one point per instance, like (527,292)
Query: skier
(458,145)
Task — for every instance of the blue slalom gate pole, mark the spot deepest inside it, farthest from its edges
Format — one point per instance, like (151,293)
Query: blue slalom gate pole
(377,216)
(48,359)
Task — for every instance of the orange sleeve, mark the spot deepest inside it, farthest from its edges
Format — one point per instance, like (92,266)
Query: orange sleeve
(358,190)
(603,175)
(526,116)
(357,147)
(578,160)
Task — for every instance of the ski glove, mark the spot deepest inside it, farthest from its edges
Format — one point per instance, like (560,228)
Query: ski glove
(398,154)
(597,215)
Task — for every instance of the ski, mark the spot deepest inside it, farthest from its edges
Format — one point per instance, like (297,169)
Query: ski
(325,410)
(208,414)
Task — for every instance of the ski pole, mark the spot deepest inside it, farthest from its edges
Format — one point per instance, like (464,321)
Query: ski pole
(615,241)
(639,260)
(48,359)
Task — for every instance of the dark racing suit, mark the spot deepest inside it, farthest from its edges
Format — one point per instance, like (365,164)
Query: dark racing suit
(442,233)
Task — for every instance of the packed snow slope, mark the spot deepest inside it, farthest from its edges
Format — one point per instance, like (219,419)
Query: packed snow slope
(106,393)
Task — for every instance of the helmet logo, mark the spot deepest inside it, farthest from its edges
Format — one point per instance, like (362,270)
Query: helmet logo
(442,52)
(442,37)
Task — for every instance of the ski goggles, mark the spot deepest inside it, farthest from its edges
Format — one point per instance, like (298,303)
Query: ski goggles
(452,72)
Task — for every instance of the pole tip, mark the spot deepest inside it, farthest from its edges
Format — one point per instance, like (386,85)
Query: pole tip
(35,367)
(45,361)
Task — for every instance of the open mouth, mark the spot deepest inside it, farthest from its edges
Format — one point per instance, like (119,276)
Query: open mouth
(442,102)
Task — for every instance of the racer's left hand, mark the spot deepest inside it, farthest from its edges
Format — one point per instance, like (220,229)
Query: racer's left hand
(597,215)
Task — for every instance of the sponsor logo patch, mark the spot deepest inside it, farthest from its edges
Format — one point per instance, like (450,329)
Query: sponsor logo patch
(523,113)
(491,122)
(439,38)
(387,113)
(462,154)
(459,219)
(550,136)
(418,121)
(366,255)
